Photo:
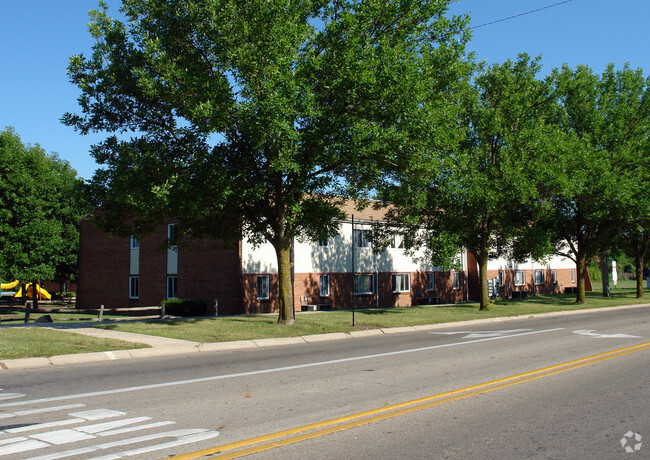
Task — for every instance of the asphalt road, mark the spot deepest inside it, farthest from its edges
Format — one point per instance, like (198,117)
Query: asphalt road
(510,389)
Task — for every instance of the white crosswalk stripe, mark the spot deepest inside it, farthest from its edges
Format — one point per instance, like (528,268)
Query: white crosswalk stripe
(76,424)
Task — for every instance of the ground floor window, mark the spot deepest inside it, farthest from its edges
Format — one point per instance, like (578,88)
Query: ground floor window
(554,275)
(172,286)
(431,283)
(501,278)
(263,286)
(456,280)
(401,282)
(520,278)
(363,284)
(539,276)
(134,288)
(573,275)
(324,285)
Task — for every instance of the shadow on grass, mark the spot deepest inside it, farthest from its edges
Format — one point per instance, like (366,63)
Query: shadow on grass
(378,312)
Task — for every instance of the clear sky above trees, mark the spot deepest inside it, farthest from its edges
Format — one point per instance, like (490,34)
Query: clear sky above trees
(38,36)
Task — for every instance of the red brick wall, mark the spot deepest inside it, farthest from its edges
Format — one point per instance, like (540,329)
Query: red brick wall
(153,269)
(207,269)
(548,287)
(103,269)
(306,286)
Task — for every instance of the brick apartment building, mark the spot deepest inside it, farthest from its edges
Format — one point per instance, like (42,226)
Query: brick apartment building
(240,278)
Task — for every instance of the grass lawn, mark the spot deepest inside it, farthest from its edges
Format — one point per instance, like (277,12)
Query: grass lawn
(264,326)
(31,342)
(63,314)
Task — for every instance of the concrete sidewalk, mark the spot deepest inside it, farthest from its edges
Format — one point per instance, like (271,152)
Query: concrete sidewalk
(162,346)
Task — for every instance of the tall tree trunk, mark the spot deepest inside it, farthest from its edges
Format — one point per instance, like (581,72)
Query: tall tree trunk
(283,252)
(581,267)
(483,256)
(482,272)
(604,272)
(638,268)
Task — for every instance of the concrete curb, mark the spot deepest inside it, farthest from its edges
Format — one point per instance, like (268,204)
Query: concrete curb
(161,346)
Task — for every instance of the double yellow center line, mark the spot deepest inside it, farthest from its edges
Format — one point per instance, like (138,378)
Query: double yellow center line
(315,430)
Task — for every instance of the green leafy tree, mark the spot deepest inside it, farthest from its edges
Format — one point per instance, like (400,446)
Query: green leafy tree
(244,116)
(634,237)
(40,209)
(481,193)
(602,122)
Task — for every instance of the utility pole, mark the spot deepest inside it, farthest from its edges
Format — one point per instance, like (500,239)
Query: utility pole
(353,268)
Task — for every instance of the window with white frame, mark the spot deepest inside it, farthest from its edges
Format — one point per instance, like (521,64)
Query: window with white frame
(573,275)
(401,282)
(501,278)
(431,282)
(324,285)
(172,286)
(134,287)
(396,242)
(456,280)
(263,286)
(554,275)
(363,284)
(135,242)
(520,277)
(539,276)
(362,237)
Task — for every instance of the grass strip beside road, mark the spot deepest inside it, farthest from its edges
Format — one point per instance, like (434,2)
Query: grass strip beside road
(35,342)
(38,342)
(224,329)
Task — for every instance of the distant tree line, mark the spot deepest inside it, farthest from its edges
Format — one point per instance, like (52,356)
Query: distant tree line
(41,205)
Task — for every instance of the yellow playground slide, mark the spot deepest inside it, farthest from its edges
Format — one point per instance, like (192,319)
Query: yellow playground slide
(42,293)
(8,286)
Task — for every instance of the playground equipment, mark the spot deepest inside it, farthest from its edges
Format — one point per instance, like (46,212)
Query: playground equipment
(8,286)
(42,293)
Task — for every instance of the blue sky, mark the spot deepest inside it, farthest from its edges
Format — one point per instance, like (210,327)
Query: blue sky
(38,36)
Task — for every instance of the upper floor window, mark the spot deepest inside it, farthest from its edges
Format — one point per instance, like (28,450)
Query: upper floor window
(172,234)
(362,237)
(396,242)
